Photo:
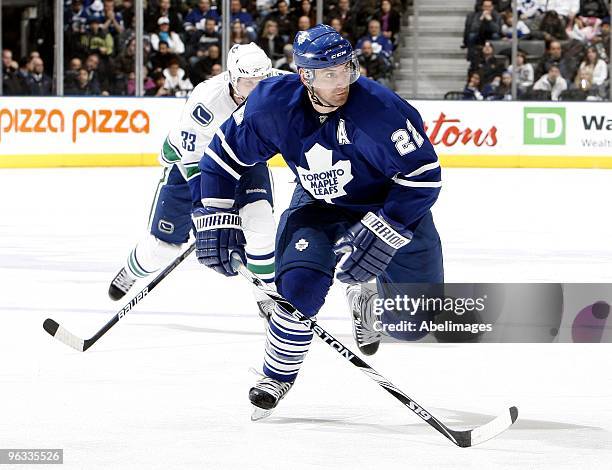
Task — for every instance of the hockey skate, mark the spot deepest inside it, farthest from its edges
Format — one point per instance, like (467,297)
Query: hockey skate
(363,316)
(120,285)
(265,395)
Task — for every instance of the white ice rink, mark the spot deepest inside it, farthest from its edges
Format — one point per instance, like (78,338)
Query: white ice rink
(167,387)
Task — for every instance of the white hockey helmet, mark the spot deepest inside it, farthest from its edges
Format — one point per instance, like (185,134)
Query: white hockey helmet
(247,61)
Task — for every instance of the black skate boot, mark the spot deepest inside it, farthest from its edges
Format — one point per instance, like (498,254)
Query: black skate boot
(265,395)
(360,305)
(120,285)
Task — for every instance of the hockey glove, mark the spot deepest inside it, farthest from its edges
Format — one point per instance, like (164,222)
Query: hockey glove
(218,234)
(370,244)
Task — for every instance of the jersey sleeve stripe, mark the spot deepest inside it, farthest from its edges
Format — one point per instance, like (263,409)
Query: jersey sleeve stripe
(229,150)
(423,169)
(418,184)
(218,203)
(221,163)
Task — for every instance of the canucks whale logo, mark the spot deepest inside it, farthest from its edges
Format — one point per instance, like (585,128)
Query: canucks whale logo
(202,115)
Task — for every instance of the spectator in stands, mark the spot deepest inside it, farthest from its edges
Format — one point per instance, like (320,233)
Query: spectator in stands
(7,60)
(176,83)
(16,83)
(303,23)
(96,39)
(286,26)
(71,75)
(522,30)
(380,44)
(597,68)
(584,83)
(529,10)
(344,13)
(567,9)
(147,84)
(123,67)
(593,8)
(552,81)
(245,18)
(286,62)
(97,73)
(82,85)
(196,19)
(127,11)
(11,80)
(38,82)
(500,88)
(171,38)
(389,21)
(75,17)
(472,87)
(524,72)
(305,9)
(161,59)
(158,89)
(238,34)
(216,70)
(202,69)
(486,64)
(164,9)
(270,41)
(554,55)
(210,35)
(584,29)
(96,10)
(602,41)
(113,21)
(376,66)
(551,27)
(482,25)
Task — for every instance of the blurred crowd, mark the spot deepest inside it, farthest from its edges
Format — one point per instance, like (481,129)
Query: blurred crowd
(183,39)
(574,36)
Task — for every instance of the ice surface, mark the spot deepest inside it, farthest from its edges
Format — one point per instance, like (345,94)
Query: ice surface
(167,387)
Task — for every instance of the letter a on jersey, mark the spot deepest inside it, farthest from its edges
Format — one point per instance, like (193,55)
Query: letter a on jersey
(324,180)
(341,133)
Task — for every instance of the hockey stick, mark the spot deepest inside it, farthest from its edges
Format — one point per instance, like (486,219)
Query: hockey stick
(63,335)
(466,438)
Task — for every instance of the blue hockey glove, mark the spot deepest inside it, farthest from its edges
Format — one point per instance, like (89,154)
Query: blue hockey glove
(218,234)
(369,246)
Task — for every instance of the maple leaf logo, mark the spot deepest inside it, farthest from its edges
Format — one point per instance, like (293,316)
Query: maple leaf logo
(324,180)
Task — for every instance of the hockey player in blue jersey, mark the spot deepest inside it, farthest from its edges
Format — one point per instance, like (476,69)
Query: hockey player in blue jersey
(367,176)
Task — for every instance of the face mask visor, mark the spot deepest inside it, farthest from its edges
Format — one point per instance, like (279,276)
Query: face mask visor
(336,77)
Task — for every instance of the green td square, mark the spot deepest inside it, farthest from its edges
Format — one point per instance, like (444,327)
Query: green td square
(544,126)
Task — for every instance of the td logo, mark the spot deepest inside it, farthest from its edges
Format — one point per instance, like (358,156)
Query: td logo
(544,126)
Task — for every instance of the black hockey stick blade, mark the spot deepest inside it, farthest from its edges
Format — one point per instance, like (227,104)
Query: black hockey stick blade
(82,345)
(467,438)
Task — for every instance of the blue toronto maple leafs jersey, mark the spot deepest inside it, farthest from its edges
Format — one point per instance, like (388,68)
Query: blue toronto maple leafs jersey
(371,154)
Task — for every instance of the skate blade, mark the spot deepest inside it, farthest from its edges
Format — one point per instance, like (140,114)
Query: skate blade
(260,413)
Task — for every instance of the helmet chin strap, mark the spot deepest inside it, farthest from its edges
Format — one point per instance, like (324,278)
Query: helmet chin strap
(316,99)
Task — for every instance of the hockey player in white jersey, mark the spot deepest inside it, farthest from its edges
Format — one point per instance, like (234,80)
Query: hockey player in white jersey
(210,104)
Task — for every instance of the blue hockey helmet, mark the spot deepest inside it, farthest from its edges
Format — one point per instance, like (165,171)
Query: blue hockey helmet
(321,47)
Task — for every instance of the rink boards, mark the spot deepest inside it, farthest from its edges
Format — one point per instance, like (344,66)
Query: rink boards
(101,131)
